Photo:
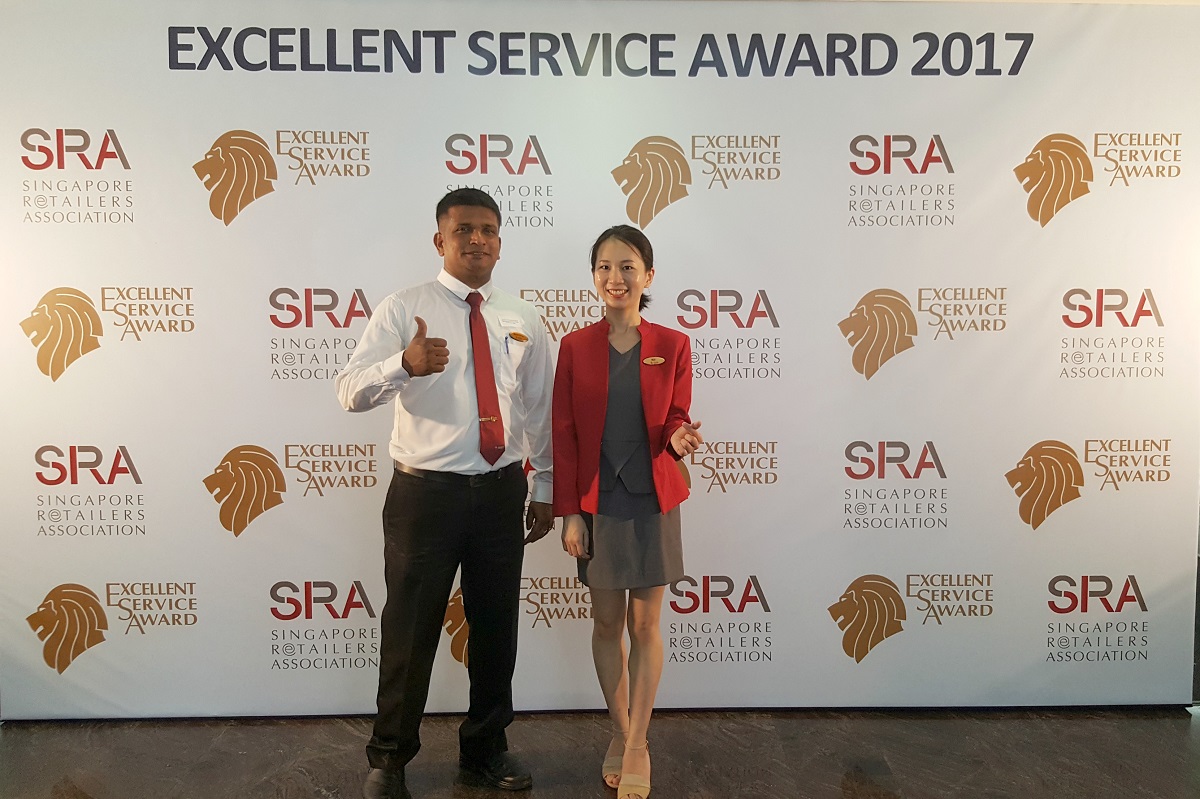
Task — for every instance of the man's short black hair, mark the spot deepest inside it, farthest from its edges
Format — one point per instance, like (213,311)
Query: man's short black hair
(473,197)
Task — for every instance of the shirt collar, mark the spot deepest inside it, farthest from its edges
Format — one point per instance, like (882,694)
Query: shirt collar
(460,289)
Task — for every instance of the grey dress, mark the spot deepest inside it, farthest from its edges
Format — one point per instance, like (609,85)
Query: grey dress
(631,542)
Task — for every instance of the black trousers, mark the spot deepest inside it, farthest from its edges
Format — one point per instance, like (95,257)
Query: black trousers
(430,529)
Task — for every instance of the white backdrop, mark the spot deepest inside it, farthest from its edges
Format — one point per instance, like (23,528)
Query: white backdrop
(803,202)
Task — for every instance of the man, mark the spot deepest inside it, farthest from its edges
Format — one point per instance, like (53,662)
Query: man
(469,369)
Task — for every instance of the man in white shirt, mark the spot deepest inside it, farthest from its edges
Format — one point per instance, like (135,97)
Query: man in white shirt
(457,494)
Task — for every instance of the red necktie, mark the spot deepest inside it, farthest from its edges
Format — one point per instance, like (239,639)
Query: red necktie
(491,425)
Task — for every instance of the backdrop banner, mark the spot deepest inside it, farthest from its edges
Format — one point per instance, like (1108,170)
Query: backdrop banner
(938,263)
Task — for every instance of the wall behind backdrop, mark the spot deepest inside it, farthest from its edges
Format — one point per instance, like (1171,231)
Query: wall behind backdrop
(938,264)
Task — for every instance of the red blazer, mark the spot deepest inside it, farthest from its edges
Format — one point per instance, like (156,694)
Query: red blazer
(581,400)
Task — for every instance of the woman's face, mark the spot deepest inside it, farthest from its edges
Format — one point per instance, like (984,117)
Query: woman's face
(620,275)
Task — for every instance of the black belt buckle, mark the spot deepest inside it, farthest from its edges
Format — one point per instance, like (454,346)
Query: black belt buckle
(453,478)
(477,480)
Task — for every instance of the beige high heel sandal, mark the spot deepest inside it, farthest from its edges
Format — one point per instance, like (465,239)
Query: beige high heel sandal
(634,784)
(612,765)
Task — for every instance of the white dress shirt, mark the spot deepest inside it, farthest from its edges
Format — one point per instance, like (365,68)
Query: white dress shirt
(437,416)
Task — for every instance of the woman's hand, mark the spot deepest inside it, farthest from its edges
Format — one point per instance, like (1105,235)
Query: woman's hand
(686,439)
(574,536)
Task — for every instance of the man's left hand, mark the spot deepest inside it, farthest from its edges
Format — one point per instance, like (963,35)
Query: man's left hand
(539,520)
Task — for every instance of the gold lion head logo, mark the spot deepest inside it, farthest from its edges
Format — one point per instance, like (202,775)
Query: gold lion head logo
(870,610)
(70,621)
(248,482)
(1048,477)
(455,625)
(237,170)
(1054,173)
(879,328)
(653,175)
(64,327)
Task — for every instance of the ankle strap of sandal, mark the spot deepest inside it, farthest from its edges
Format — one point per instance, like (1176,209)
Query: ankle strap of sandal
(631,746)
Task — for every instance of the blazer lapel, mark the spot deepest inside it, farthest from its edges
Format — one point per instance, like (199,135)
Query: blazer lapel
(656,369)
(592,377)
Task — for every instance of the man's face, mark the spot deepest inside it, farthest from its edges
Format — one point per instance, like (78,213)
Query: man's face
(468,239)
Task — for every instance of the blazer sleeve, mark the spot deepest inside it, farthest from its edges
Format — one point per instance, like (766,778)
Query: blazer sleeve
(681,394)
(566,442)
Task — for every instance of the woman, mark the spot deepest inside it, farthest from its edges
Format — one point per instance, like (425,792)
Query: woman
(622,391)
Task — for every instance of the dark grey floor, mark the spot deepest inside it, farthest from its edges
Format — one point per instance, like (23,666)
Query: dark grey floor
(1142,753)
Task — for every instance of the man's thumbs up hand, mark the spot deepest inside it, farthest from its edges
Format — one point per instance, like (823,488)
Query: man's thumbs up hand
(423,355)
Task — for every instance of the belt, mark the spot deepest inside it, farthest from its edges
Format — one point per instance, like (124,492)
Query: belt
(454,478)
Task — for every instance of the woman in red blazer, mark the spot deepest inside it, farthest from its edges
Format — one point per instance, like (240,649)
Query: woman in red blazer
(622,392)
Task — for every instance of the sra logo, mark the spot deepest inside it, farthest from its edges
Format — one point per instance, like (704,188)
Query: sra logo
(294,601)
(1094,592)
(709,309)
(873,460)
(1090,309)
(699,595)
(64,146)
(84,464)
(470,154)
(307,306)
(898,153)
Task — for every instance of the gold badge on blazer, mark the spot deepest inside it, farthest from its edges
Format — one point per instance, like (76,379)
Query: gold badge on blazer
(517,336)
(653,360)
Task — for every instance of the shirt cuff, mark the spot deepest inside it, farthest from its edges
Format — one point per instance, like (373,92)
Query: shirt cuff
(394,371)
(542,492)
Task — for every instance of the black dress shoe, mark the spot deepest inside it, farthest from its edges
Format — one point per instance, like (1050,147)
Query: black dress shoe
(385,784)
(501,770)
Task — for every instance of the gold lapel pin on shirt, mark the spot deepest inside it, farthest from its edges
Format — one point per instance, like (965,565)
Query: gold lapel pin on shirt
(653,360)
